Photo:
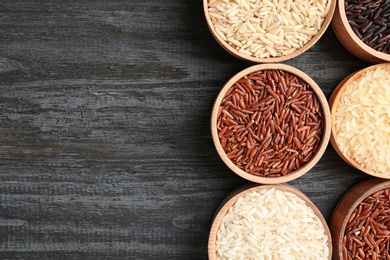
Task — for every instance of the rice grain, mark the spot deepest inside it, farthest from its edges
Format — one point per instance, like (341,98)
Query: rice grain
(270,109)
(362,121)
(271,224)
(251,21)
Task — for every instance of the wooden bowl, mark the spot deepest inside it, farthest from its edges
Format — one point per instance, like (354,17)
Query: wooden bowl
(247,57)
(342,212)
(334,100)
(325,131)
(351,41)
(240,192)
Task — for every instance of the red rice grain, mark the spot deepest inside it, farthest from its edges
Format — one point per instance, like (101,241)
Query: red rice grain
(367,234)
(277,122)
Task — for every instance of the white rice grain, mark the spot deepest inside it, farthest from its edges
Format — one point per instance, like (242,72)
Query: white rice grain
(362,121)
(271,224)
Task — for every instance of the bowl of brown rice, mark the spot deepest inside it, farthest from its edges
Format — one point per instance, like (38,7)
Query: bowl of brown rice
(269,222)
(360,111)
(366,34)
(268,31)
(270,123)
(360,222)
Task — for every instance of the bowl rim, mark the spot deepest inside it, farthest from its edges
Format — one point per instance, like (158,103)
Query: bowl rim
(347,204)
(241,191)
(324,26)
(325,134)
(333,104)
(340,13)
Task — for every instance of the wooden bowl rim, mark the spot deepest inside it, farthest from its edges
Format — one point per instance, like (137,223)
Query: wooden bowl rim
(251,58)
(241,191)
(333,103)
(325,134)
(341,12)
(346,205)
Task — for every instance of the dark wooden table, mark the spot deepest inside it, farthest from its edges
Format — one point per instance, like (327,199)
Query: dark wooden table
(106,151)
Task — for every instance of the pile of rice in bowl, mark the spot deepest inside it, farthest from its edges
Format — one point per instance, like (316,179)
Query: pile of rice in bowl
(362,120)
(264,29)
(271,224)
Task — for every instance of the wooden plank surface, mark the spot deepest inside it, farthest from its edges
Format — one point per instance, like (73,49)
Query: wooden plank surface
(105,148)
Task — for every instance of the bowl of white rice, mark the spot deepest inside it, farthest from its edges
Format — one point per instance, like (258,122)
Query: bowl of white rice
(360,112)
(268,31)
(269,222)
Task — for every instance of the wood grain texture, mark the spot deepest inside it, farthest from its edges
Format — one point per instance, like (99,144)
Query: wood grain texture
(105,148)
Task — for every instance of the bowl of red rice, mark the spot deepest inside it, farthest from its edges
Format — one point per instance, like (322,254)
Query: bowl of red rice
(360,222)
(270,123)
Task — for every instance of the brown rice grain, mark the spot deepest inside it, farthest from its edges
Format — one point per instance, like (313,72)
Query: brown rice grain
(266,29)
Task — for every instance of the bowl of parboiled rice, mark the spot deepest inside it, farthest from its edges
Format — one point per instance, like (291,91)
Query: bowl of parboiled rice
(269,222)
(360,111)
(268,31)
